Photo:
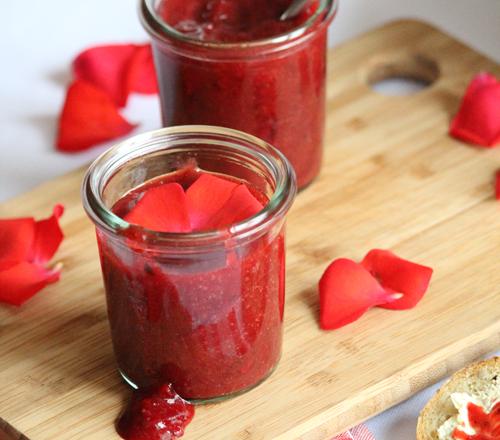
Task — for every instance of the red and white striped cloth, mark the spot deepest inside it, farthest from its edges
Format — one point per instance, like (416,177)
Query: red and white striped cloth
(359,432)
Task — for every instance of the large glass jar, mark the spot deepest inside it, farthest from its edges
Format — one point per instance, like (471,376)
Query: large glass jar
(203,311)
(273,88)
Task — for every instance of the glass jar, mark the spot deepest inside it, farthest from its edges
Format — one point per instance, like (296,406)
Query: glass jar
(272,88)
(203,311)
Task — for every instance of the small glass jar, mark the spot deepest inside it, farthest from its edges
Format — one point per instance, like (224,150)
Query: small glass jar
(272,88)
(203,311)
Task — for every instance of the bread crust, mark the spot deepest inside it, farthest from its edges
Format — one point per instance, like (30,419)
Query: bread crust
(439,408)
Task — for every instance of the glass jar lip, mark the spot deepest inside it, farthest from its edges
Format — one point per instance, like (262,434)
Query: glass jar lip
(104,167)
(153,23)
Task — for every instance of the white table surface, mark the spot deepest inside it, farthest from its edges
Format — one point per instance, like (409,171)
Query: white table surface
(38,39)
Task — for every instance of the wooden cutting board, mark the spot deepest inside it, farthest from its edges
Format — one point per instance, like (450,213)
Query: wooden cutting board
(392,178)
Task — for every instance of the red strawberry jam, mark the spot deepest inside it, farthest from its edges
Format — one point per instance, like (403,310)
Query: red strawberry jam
(486,425)
(208,321)
(158,414)
(230,21)
(273,90)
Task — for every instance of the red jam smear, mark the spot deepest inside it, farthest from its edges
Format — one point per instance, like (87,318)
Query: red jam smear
(486,425)
(277,92)
(210,324)
(230,21)
(158,414)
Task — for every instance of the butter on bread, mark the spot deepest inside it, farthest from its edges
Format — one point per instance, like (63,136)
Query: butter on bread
(481,380)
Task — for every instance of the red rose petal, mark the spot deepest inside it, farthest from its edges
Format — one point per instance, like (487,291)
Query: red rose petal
(89,117)
(478,119)
(240,206)
(141,76)
(497,187)
(16,240)
(25,247)
(22,281)
(48,236)
(118,70)
(106,68)
(162,208)
(398,275)
(347,290)
(207,195)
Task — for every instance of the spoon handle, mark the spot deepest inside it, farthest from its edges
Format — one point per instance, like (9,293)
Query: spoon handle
(294,9)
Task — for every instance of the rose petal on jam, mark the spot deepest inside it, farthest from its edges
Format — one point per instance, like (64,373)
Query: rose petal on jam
(106,67)
(141,76)
(162,208)
(478,118)
(23,280)
(497,185)
(240,206)
(157,414)
(207,195)
(346,291)
(398,275)
(89,117)
(26,246)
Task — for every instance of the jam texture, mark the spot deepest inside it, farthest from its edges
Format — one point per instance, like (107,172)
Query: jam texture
(155,414)
(275,91)
(209,323)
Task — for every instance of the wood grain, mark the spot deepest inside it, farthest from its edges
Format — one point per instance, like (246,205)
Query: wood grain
(392,178)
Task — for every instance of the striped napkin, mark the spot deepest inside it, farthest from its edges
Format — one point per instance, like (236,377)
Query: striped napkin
(359,432)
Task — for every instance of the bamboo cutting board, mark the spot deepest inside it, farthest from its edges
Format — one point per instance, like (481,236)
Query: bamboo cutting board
(392,178)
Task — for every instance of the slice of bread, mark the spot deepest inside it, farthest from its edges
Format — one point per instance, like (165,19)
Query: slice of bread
(481,379)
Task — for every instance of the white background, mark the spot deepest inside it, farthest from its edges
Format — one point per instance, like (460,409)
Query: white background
(39,38)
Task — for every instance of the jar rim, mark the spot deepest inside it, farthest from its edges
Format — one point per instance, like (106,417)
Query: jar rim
(109,162)
(155,25)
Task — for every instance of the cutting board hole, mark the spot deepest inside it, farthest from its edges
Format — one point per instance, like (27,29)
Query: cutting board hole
(399,86)
(403,76)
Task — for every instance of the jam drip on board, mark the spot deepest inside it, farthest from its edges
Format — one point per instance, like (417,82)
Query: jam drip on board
(156,414)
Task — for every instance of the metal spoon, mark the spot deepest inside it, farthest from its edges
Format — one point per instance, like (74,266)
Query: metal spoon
(294,9)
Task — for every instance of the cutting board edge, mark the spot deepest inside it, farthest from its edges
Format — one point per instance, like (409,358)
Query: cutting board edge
(78,172)
(406,382)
